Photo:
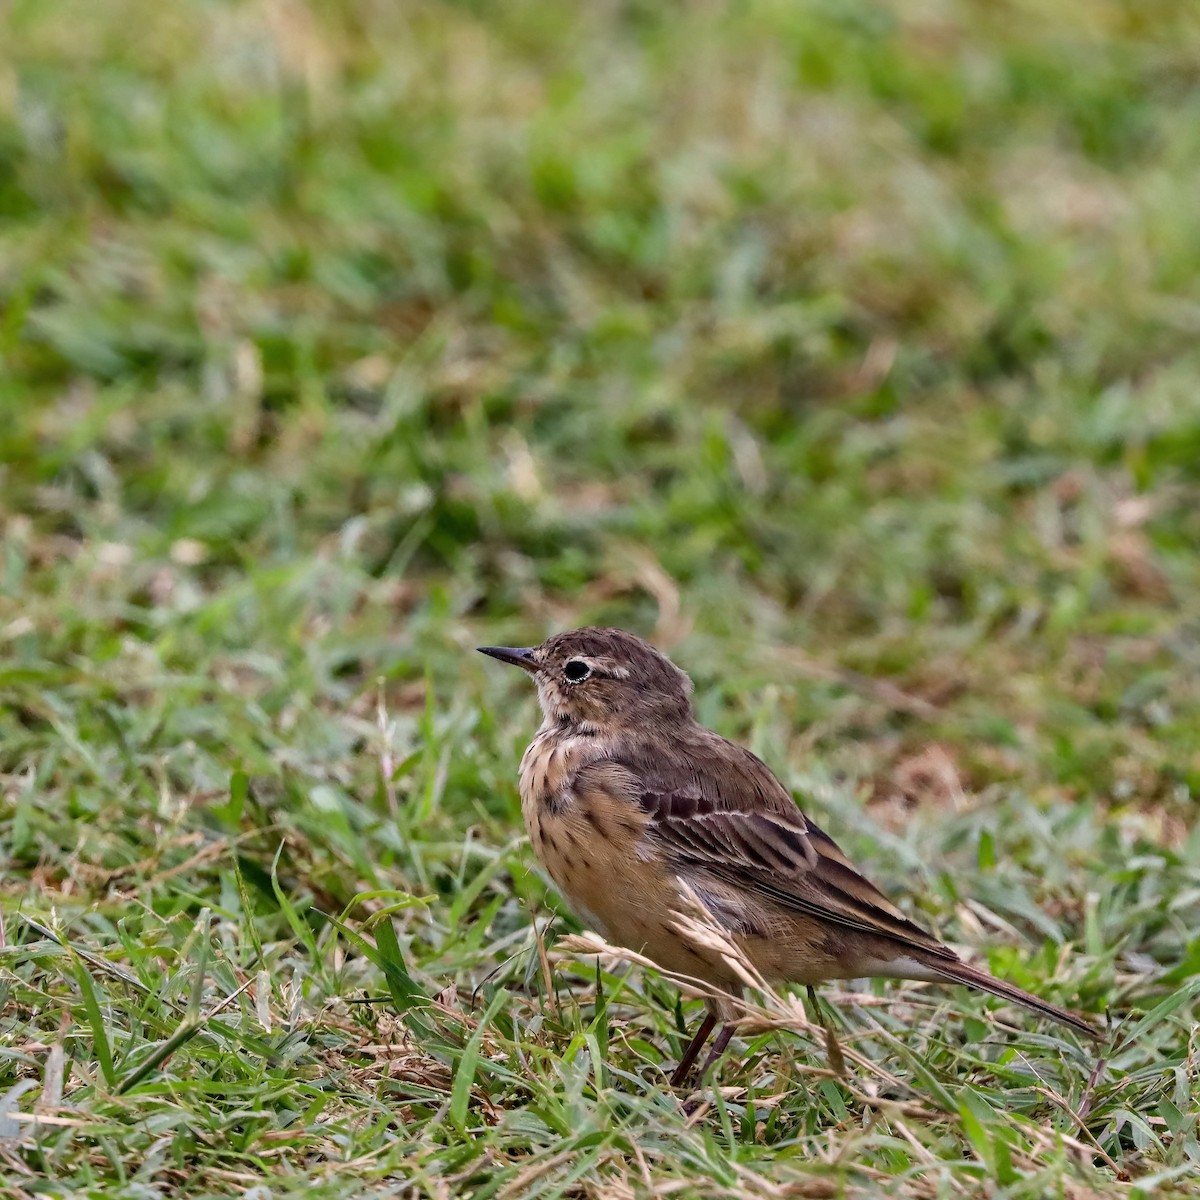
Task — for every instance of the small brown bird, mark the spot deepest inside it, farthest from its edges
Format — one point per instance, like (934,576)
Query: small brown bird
(626,798)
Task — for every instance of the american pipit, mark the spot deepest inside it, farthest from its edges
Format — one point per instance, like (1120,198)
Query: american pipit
(626,798)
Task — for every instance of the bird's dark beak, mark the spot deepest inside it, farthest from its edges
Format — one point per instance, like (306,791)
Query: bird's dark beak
(517,656)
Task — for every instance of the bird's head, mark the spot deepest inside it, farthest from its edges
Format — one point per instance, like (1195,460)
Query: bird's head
(602,680)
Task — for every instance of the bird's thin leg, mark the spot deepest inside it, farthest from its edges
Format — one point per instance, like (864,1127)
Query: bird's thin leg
(718,1048)
(832,1048)
(694,1047)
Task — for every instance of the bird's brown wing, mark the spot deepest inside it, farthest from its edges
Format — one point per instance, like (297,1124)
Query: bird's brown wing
(720,815)
(727,817)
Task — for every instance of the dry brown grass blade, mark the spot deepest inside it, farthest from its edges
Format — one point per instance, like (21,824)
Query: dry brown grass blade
(777,1012)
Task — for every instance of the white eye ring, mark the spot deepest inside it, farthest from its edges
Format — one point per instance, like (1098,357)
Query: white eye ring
(575,670)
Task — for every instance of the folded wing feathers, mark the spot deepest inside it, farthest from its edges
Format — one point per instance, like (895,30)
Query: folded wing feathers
(789,861)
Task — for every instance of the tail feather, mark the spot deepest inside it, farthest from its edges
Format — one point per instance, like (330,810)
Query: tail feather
(961,973)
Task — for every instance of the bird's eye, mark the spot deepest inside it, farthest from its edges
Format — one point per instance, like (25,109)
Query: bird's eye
(576,670)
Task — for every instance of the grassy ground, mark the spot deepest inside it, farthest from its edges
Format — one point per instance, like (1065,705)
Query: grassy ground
(850,350)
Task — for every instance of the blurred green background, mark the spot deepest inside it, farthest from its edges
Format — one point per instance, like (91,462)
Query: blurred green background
(850,351)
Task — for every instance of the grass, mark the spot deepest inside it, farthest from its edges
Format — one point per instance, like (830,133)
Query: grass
(848,350)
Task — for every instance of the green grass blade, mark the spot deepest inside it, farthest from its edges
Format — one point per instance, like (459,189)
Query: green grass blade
(468,1064)
(160,1054)
(95,1019)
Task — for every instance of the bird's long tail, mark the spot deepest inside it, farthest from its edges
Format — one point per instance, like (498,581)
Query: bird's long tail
(961,973)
